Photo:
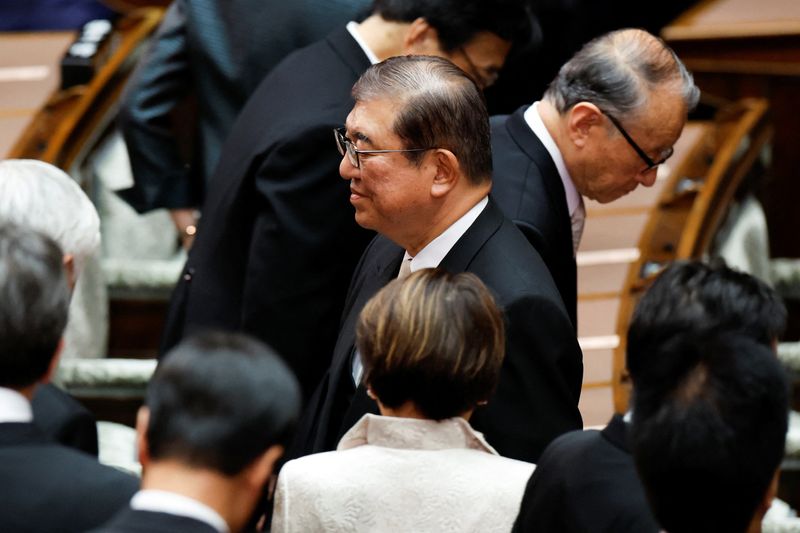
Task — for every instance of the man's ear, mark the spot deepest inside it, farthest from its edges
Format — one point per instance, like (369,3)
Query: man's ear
(51,369)
(448,172)
(69,267)
(142,421)
(581,119)
(262,467)
(421,39)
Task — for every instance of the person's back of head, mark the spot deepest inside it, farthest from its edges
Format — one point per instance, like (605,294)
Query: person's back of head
(708,435)
(218,401)
(38,195)
(459,21)
(434,339)
(35,304)
(691,296)
(618,72)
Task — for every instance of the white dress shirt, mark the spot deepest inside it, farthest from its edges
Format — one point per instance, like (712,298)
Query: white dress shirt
(161,501)
(14,407)
(577,212)
(352,27)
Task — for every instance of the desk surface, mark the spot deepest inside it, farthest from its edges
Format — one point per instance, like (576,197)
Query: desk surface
(714,19)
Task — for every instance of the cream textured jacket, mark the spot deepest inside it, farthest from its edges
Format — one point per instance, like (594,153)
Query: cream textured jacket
(402,474)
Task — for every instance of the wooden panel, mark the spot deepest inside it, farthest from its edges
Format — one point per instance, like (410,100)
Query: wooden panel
(594,406)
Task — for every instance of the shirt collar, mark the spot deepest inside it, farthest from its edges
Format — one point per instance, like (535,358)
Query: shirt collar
(352,27)
(414,434)
(14,407)
(161,501)
(437,249)
(534,121)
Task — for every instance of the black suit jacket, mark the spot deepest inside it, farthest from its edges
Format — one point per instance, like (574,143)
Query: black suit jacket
(586,482)
(528,189)
(537,397)
(278,242)
(131,521)
(218,51)
(63,419)
(49,488)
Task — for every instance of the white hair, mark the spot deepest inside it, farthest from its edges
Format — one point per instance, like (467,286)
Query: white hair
(40,196)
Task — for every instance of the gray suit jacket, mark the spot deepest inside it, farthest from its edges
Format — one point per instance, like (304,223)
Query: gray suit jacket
(217,51)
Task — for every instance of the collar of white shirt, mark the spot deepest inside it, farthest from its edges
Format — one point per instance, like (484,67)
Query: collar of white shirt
(14,407)
(352,27)
(161,501)
(534,121)
(434,251)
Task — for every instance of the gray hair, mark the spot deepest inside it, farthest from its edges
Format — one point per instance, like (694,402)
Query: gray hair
(40,196)
(35,304)
(441,107)
(618,71)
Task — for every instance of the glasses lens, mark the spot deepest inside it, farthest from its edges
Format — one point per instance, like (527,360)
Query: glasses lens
(339,141)
(351,153)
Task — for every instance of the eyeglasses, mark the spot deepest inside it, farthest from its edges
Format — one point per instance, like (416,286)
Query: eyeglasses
(481,80)
(641,153)
(347,147)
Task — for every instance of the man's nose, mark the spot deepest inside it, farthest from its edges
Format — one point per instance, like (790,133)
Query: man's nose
(346,169)
(648,177)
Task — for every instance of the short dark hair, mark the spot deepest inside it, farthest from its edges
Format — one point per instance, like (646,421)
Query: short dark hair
(708,437)
(218,401)
(458,21)
(617,71)
(433,338)
(34,304)
(691,296)
(441,108)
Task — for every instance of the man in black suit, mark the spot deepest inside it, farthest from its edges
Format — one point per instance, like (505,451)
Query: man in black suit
(217,51)
(605,124)
(586,481)
(217,414)
(709,431)
(39,196)
(278,244)
(44,486)
(417,159)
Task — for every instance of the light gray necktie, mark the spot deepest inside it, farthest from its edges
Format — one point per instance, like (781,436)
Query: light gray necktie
(577,220)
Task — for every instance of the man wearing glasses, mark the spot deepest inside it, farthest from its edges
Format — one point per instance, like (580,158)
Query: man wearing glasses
(277,244)
(603,127)
(416,156)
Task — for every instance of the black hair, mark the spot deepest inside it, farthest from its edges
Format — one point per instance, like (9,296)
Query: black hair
(218,401)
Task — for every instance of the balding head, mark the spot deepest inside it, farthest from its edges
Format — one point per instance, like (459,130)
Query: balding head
(619,72)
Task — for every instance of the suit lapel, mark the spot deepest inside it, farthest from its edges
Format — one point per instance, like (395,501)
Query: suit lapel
(530,144)
(348,50)
(460,256)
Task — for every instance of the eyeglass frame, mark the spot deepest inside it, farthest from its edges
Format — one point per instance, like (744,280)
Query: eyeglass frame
(641,153)
(348,148)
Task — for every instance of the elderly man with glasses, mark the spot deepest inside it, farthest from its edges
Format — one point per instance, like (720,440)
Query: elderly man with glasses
(417,159)
(605,124)
(277,244)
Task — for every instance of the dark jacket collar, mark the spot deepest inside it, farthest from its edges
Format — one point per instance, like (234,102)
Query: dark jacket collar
(348,50)
(617,433)
(17,433)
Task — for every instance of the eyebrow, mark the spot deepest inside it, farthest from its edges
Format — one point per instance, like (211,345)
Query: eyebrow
(358,136)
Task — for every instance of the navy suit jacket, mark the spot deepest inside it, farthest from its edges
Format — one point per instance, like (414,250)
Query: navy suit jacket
(528,189)
(134,521)
(537,397)
(278,242)
(49,488)
(586,482)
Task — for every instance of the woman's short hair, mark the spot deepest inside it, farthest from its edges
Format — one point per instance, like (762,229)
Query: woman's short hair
(435,339)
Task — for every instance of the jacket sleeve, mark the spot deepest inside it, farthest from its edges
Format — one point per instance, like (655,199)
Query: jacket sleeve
(160,82)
